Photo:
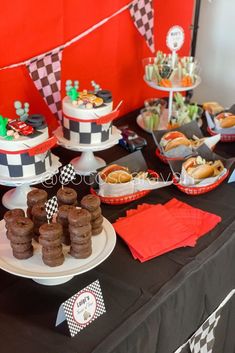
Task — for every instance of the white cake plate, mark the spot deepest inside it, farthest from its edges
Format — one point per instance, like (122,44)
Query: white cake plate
(34,268)
(17,197)
(87,162)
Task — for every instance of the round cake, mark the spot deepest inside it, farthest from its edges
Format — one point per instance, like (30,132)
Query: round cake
(82,112)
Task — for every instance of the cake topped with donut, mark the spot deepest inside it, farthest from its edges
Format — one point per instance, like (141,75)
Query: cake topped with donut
(24,144)
(87,114)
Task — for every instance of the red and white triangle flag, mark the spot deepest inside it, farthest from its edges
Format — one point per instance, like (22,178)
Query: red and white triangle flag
(142,14)
(45,72)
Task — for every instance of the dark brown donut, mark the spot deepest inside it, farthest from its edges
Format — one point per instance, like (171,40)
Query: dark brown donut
(23,255)
(82,254)
(90,202)
(79,217)
(96,231)
(80,239)
(36,195)
(80,247)
(49,243)
(10,215)
(79,230)
(62,215)
(95,214)
(22,226)
(54,262)
(66,196)
(21,247)
(51,231)
(97,222)
(20,239)
(52,253)
(38,212)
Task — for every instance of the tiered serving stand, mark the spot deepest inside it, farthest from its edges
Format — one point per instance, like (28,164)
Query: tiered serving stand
(17,197)
(87,162)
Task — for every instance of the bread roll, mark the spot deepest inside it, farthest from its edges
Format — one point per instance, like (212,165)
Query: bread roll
(177,142)
(201,172)
(212,107)
(227,122)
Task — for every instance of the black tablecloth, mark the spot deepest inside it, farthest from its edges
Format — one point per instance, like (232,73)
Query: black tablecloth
(151,307)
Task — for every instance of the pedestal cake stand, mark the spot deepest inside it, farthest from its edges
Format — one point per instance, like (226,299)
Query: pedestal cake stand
(17,198)
(87,162)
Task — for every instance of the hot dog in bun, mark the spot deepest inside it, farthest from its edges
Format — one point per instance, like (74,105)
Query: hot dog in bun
(199,168)
(225,120)
(173,139)
(115,174)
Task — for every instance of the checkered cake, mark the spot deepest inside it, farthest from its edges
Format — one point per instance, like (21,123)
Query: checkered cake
(80,125)
(15,161)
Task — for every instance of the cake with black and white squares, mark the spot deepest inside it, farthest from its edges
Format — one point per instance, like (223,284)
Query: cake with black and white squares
(87,115)
(24,145)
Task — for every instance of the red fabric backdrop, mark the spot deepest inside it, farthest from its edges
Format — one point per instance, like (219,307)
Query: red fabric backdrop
(111,55)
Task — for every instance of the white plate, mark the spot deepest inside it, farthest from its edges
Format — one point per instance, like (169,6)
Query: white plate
(34,268)
(162,125)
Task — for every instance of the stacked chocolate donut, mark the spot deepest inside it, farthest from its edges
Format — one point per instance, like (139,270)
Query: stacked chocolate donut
(10,217)
(50,239)
(33,197)
(39,217)
(92,204)
(20,233)
(80,233)
(62,218)
(67,196)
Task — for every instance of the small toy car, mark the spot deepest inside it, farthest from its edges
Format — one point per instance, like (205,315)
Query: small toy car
(130,140)
(21,127)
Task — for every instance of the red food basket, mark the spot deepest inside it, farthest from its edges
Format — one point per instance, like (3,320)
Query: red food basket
(199,190)
(224,137)
(165,159)
(119,200)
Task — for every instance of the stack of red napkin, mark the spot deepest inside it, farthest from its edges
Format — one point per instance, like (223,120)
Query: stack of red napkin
(152,230)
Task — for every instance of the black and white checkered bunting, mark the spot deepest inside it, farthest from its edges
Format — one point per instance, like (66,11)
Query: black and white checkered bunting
(51,207)
(143,17)
(86,133)
(67,174)
(74,327)
(45,72)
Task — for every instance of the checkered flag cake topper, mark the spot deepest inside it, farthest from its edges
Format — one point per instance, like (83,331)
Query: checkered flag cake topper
(51,207)
(142,14)
(67,173)
(45,72)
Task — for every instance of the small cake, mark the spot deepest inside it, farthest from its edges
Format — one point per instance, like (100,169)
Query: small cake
(82,111)
(50,239)
(92,204)
(80,233)
(67,196)
(62,218)
(21,234)
(35,196)
(24,144)
(10,217)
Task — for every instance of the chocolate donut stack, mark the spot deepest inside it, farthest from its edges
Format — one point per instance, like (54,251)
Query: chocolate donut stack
(10,216)
(21,234)
(62,218)
(80,233)
(50,239)
(67,196)
(39,217)
(33,197)
(92,204)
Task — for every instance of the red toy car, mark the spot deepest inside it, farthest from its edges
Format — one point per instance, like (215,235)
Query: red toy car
(21,127)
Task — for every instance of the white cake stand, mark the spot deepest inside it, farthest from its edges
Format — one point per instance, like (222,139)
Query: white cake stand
(87,163)
(17,198)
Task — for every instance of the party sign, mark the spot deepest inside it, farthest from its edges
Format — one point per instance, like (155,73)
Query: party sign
(175,38)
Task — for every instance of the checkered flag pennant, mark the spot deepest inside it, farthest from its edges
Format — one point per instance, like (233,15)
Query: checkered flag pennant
(45,73)
(67,173)
(203,340)
(183,349)
(142,14)
(51,207)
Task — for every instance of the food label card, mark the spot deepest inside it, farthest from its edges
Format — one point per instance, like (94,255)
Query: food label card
(82,308)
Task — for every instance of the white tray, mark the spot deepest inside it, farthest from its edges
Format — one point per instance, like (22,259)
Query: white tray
(34,268)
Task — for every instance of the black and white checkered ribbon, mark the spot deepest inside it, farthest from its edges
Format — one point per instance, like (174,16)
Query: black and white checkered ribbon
(143,17)
(51,207)
(45,72)
(67,173)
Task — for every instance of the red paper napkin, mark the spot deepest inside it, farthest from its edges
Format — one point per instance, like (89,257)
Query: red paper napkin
(151,230)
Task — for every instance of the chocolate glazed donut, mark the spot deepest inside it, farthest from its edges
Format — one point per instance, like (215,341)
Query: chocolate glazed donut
(67,196)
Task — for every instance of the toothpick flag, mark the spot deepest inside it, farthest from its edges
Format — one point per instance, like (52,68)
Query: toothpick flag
(142,14)
(67,173)
(45,73)
(51,207)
